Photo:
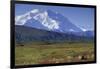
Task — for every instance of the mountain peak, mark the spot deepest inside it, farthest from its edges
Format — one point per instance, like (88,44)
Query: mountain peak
(42,17)
(47,20)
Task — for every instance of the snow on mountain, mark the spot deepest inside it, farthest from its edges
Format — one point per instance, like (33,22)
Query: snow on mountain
(64,23)
(42,17)
(83,29)
(21,19)
(71,30)
(47,20)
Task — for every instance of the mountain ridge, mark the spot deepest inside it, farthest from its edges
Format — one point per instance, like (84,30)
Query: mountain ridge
(47,20)
(27,34)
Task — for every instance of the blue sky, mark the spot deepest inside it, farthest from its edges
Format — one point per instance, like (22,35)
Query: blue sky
(81,17)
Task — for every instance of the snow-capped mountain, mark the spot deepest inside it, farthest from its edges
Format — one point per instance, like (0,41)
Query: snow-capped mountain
(41,17)
(47,20)
(48,26)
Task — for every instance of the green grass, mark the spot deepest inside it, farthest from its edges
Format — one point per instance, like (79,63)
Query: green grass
(53,53)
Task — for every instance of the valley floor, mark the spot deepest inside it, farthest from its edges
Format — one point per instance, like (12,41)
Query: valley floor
(54,53)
